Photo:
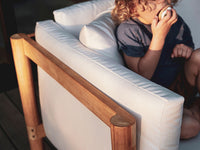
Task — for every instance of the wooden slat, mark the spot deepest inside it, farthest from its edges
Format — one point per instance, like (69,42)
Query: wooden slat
(5,144)
(27,91)
(12,121)
(14,96)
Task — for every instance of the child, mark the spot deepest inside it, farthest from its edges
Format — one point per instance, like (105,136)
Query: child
(161,49)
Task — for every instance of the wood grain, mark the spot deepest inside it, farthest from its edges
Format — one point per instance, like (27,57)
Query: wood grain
(101,105)
(26,87)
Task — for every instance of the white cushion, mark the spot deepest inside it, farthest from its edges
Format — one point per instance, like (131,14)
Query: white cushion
(72,18)
(158,111)
(99,35)
(190,12)
(68,124)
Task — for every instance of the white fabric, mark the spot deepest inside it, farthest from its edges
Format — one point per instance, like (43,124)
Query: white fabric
(68,124)
(158,111)
(189,10)
(74,17)
(99,35)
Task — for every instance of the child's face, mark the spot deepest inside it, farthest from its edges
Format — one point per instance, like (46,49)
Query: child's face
(146,16)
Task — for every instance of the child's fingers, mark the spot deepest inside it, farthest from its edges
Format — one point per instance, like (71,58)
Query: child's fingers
(188,54)
(184,53)
(171,16)
(174,16)
(167,16)
(181,50)
(155,21)
(175,52)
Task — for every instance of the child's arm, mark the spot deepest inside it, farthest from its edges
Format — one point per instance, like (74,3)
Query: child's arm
(147,64)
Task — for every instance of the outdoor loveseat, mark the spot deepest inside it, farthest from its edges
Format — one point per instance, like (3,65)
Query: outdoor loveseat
(89,100)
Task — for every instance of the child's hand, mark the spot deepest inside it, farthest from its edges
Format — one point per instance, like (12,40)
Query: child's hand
(161,28)
(181,50)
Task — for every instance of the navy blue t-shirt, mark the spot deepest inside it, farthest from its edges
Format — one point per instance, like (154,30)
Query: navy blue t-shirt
(134,38)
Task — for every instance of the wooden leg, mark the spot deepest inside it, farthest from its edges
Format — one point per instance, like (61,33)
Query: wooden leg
(123,134)
(27,93)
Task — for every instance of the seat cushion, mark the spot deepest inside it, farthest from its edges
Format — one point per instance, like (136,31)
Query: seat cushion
(158,111)
(99,36)
(72,18)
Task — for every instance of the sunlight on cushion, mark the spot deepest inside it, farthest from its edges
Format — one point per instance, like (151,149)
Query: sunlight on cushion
(99,36)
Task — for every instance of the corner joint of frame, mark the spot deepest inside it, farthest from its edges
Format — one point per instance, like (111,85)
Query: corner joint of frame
(36,132)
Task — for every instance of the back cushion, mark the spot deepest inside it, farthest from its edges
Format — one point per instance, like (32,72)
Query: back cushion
(189,11)
(99,35)
(72,18)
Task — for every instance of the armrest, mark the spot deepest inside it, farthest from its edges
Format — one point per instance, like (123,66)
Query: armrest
(122,124)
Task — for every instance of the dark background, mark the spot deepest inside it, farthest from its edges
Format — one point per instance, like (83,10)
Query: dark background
(20,16)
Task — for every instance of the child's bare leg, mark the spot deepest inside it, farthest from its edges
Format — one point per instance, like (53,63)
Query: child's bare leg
(191,117)
(192,69)
(190,125)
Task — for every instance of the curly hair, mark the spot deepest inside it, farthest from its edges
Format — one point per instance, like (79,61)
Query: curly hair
(125,9)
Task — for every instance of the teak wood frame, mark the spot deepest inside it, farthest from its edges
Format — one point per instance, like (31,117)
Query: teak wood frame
(25,49)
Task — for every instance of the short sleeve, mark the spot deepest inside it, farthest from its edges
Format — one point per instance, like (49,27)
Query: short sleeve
(184,36)
(187,37)
(129,40)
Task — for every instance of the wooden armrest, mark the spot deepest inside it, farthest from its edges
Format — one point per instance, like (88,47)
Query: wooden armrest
(121,123)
